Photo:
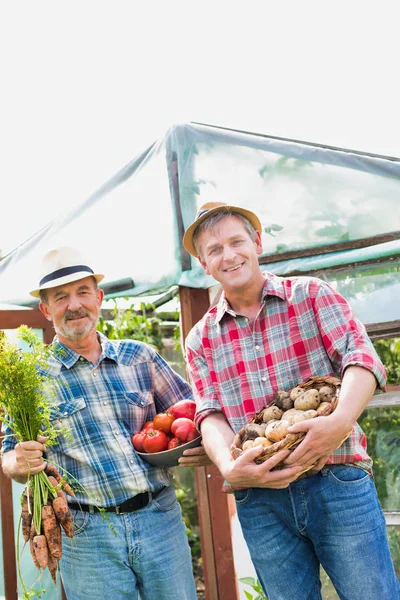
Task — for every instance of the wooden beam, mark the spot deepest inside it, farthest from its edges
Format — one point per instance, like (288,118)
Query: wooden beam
(8,538)
(213,505)
(11,319)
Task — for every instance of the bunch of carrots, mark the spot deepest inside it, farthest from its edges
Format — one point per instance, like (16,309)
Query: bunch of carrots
(26,401)
(44,532)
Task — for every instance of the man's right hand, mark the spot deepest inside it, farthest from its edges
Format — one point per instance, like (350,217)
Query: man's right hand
(244,472)
(25,460)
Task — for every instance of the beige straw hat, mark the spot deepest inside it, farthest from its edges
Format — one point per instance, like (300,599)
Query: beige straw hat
(210,208)
(63,265)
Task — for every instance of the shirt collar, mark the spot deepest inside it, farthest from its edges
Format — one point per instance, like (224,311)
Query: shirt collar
(273,286)
(69,357)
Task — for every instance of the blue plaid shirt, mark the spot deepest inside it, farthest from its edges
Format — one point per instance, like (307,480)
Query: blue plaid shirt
(104,405)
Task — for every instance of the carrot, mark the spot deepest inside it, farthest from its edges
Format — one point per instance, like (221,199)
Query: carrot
(61,509)
(31,546)
(68,527)
(52,531)
(52,565)
(41,550)
(26,518)
(50,470)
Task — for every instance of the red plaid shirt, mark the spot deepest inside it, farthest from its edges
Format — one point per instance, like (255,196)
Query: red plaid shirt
(304,328)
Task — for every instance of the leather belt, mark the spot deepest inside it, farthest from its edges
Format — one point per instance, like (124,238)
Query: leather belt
(306,474)
(137,502)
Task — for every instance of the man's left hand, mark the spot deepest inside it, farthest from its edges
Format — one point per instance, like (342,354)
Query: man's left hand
(323,436)
(195,457)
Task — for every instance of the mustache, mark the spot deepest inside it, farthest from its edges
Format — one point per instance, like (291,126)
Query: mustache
(71,314)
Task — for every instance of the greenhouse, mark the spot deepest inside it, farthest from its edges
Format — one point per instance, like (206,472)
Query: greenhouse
(326,212)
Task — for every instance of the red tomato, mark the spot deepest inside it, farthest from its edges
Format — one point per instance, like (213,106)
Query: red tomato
(155,441)
(137,441)
(183,408)
(174,443)
(184,429)
(148,425)
(163,421)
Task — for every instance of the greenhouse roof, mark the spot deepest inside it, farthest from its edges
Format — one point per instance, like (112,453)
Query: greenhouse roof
(325,211)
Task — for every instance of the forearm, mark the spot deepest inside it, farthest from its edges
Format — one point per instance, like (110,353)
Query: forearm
(217,439)
(357,389)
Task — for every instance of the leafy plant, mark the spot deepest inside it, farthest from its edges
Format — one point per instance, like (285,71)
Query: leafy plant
(26,399)
(130,323)
(256,586)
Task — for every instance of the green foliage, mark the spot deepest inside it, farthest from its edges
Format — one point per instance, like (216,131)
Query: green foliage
(256,586)
(389,352)
(138,325)
(185,492)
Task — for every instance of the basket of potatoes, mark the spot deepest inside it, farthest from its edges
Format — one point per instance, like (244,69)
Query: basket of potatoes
(316,397)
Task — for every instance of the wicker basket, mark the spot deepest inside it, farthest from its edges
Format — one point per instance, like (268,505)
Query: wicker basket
(291,440)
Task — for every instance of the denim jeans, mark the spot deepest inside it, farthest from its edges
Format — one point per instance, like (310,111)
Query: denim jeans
(145,552)
(331,519)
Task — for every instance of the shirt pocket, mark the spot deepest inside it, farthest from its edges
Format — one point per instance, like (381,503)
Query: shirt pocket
(62,417)
(139,399)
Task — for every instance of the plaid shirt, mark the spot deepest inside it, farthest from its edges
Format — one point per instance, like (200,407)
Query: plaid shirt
(104,405)
(304,328)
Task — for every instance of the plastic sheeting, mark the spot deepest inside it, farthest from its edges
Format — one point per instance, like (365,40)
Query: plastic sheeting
(306,196)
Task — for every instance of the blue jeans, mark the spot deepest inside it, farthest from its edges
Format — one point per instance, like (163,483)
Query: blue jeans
(145,552)
(331,519)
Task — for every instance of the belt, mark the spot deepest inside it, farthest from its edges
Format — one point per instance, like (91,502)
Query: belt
(306,474)
(137,502)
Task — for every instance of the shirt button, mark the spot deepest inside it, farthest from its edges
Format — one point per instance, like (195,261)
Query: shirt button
(81,358)
(131,461)
(94,374)
(263,379)
(257,347)
(116,432)
(65,414)
(105,403)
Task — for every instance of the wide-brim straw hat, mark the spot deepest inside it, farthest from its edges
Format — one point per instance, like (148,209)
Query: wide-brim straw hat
(206,211)
(61,266)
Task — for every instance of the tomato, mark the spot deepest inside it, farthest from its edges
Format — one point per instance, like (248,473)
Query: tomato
(148,425)
(183,408)
(184,429)
(155,441)
(137,441)
(174,443)
(163,421)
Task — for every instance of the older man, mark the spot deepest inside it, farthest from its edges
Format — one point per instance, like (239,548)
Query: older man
(106,391)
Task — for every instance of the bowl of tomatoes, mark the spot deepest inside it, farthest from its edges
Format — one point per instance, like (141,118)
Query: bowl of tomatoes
(162,441)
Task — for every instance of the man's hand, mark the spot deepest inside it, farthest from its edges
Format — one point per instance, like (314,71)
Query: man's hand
(195,457)
(29,457)
(323,436)
(244,472)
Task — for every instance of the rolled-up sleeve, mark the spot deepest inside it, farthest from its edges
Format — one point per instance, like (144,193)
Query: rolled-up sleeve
(200,377)
(344,336)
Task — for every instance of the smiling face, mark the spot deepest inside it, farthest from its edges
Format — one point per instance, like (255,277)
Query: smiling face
(73,308)
(230,255)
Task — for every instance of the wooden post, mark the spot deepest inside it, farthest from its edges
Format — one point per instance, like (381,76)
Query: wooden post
(213,505)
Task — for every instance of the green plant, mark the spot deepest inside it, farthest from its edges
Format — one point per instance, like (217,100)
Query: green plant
(140,325)
(256,586)
(389,352)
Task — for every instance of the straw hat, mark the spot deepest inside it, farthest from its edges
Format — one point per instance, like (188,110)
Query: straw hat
(210,208)
(63,265)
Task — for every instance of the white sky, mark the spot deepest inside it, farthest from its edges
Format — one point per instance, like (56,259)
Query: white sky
(88,85)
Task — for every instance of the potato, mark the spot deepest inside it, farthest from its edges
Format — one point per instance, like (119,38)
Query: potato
(272,413)
(296,391)
(270,426)
(308,400)
(326,393)
(278,432)
(262,441)
(323,408)
(253,430)
(283,400)
(248,444)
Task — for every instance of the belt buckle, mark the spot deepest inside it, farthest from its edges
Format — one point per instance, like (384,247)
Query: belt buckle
(118,511)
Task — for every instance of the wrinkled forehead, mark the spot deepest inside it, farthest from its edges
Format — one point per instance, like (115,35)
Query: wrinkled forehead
(87,283)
